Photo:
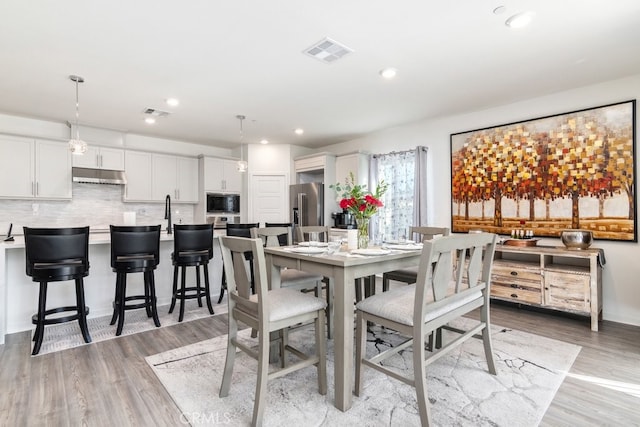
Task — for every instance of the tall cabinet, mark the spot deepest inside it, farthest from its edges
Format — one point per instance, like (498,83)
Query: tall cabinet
(32,169)
(217,175)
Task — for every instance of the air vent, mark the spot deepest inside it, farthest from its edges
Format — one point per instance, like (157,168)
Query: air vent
(327,51)
(155,113)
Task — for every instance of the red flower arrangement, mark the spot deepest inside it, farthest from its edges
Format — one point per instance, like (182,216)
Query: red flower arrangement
(358,200)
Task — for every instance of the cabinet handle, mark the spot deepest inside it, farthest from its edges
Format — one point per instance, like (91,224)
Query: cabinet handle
(514,273)
(33,188)
(514,296)
(37,188)
(513,285)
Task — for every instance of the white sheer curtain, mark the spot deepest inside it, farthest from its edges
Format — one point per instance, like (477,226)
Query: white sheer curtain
(404,201)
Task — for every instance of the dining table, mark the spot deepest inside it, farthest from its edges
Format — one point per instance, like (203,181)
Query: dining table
(342,269)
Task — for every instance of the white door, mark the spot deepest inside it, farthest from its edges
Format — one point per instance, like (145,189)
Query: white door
(268,198)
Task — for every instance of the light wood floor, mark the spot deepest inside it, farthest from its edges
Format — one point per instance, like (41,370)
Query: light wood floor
(109,383)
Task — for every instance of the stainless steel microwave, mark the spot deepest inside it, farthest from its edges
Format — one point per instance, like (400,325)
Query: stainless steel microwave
(223,203)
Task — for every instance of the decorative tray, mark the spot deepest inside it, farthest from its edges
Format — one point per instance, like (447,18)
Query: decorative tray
(520,242)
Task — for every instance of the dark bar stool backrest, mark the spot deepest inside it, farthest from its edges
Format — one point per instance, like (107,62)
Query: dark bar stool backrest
(49,245)
(197,237)
(135,240)
(242,230)
(282,239)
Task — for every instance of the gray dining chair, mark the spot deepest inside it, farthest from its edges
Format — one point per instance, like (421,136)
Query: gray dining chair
(408,275)
(267,311)
(453,280)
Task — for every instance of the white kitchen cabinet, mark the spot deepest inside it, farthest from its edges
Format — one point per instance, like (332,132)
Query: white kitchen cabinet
(100,158)
(221,176)
(151,177)
(137,167)
(176,177)
(34,169)
(356,163)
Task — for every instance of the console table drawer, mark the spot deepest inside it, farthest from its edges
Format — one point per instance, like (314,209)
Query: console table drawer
(516,272)
(524,291)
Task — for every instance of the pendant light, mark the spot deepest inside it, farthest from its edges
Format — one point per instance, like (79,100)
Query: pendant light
(242,164)
(76,145)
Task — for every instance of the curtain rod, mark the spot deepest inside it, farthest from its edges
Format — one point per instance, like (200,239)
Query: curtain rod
(423,148)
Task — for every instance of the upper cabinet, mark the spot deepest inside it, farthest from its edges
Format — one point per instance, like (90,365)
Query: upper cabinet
(34,169)
(137,167)
(221,176)
(152,177)
(356,163)
(100,158)
(176,177)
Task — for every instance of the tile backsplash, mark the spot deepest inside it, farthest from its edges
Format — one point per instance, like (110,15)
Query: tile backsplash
(95,205)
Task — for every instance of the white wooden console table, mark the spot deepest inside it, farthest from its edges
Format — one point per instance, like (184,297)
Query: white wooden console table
(557,278)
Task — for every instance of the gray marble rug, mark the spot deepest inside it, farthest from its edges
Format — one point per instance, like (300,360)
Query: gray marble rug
(461,391)
(68,335)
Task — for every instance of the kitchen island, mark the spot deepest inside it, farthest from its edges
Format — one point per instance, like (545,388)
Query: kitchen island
(19,294)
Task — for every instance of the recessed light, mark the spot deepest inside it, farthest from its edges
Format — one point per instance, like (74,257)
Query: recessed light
(519,20)
(172,102)
(149,120)
(388,73)
(299,131)
(264,141)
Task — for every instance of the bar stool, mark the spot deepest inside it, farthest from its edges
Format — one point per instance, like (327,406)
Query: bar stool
(192,247)
(56,255)
(134,249)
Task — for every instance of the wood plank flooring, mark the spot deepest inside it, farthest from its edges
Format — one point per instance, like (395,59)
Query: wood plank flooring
(109,383)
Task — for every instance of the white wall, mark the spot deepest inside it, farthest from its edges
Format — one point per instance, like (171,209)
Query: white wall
(621,276)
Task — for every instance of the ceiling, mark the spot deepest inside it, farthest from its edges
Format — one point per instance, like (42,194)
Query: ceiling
(224,58)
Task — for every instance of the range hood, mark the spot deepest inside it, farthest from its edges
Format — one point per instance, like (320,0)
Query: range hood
(98,176)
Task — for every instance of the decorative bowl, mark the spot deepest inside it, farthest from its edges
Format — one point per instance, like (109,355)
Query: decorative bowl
(576,239)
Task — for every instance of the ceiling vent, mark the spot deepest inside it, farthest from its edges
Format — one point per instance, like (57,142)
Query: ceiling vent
(155,113)
(327,51)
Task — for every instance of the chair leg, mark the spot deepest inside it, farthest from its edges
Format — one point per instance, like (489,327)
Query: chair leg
(152,296)
(174,289)
(420,378)
(486,338)
(321,352)
(329,310)
(183,279)
(231,356)
(82,310)
(147,295)
(116,301)
(42,307)
(122,278)
(223,286)
(263,372)
(198,286)
(361,342)
(207,288)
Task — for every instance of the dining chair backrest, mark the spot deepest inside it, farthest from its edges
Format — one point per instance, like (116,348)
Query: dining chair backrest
(451,268)
(427,233)
(241,230)
(304,231)
(272,236)
(282,238)
(238,281)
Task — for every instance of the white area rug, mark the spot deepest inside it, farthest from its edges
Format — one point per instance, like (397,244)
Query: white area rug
(461,390)
(68,335)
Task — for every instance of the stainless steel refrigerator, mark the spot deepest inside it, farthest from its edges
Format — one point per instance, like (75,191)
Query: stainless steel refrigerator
(307,205)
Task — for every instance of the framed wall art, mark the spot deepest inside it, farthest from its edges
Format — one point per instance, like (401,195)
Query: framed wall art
(569,171)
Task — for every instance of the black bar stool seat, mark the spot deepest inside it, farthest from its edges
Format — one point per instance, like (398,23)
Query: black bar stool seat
(56,255)
(134,249)
(192,247)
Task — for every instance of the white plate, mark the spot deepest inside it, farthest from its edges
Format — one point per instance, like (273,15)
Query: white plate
(406,247)
(370,251)
(318,244)
(307,250)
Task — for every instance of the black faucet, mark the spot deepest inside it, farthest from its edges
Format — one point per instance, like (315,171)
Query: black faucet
(167,213)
